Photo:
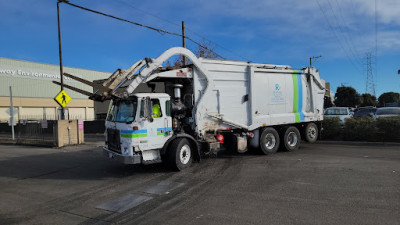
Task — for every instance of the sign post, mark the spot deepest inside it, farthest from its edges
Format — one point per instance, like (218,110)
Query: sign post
(60,53)
(11,114)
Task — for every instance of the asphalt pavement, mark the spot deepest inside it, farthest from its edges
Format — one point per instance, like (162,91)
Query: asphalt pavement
(318,184)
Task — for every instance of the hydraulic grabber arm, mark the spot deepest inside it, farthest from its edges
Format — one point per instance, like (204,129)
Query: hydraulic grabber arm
(140,72)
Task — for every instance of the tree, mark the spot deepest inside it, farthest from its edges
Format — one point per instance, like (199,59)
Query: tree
(327,102)
(368,100)
(389,97)
(205,49)
(347,97)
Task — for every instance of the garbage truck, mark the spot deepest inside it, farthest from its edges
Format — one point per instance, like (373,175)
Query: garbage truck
(177,114)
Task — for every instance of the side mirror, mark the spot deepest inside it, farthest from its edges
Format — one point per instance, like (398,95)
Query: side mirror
(148,109)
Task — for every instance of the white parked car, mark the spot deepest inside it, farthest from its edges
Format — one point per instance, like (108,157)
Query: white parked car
(341,112)
(387,112)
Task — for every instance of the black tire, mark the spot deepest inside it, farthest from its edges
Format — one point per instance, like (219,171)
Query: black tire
(311,133)
(180,155)
(290,139)
(269,141)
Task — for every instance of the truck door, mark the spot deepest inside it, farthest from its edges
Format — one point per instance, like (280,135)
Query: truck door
(160,129)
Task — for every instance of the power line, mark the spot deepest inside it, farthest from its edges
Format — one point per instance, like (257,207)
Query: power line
(376,42)
(218,45)
(188,29)
(346,41)
(349,38)
(146,12)
(336,36)
(161,31)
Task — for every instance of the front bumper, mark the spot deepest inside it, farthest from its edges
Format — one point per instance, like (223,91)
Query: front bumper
(135,159)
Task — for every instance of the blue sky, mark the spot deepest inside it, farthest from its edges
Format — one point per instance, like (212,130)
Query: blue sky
(275,32)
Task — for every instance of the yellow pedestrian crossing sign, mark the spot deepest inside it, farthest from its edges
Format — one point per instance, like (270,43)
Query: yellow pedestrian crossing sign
(62,98)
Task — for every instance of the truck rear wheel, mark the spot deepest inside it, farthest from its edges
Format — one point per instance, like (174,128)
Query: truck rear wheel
(311,133)
(180,154)
(291,139)
(269,141)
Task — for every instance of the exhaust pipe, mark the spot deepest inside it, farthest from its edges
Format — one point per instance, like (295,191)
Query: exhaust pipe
(177,92)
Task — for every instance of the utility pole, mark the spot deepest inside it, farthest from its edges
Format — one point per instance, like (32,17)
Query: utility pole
(12,114)
(369,85)
(183,41)
(314,57)
(60,53)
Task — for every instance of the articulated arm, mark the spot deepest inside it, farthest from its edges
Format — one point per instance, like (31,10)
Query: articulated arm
(146,74)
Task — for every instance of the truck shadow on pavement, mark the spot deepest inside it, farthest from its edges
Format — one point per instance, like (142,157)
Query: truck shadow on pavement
(24,162)
(81,163)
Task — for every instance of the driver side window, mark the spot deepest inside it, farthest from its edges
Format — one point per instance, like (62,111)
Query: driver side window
(155,106)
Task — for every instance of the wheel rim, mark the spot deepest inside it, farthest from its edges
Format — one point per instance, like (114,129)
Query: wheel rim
(185,154)
(270,141)
(292,139)
(312,132)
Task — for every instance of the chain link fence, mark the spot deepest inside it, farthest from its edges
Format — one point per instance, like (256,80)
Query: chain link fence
(32,132)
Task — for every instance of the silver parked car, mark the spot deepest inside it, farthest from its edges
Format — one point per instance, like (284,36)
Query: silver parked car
(341,112)
(387,112)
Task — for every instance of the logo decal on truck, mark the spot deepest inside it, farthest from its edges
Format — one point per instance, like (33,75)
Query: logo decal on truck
(277,96)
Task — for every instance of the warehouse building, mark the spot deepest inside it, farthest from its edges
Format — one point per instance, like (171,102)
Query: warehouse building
(33,91)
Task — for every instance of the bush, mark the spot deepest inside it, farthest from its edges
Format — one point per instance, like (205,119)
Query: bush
(388,128)
(360,129)
(331,128)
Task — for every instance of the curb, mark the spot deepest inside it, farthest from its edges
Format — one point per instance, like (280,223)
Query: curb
(365,143)
(95,143)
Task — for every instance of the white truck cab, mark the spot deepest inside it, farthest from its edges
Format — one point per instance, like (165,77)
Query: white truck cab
(133,132)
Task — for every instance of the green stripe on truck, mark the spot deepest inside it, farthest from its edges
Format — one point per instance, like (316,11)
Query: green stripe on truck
(133,135)
(295,96)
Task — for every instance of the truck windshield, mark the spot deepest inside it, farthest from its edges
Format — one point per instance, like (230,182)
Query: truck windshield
(122,111)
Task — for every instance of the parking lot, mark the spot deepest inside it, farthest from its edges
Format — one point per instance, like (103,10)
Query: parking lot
(319,184)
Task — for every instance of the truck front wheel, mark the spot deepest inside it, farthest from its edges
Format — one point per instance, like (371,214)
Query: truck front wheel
(269,141)
(180,154)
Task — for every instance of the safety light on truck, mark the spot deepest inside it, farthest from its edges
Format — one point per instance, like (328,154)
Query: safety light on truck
(250,134)
(135,128)
(220,138)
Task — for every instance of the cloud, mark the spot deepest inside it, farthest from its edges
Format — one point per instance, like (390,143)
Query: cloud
(287,28)
(387,10)
(347,27)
